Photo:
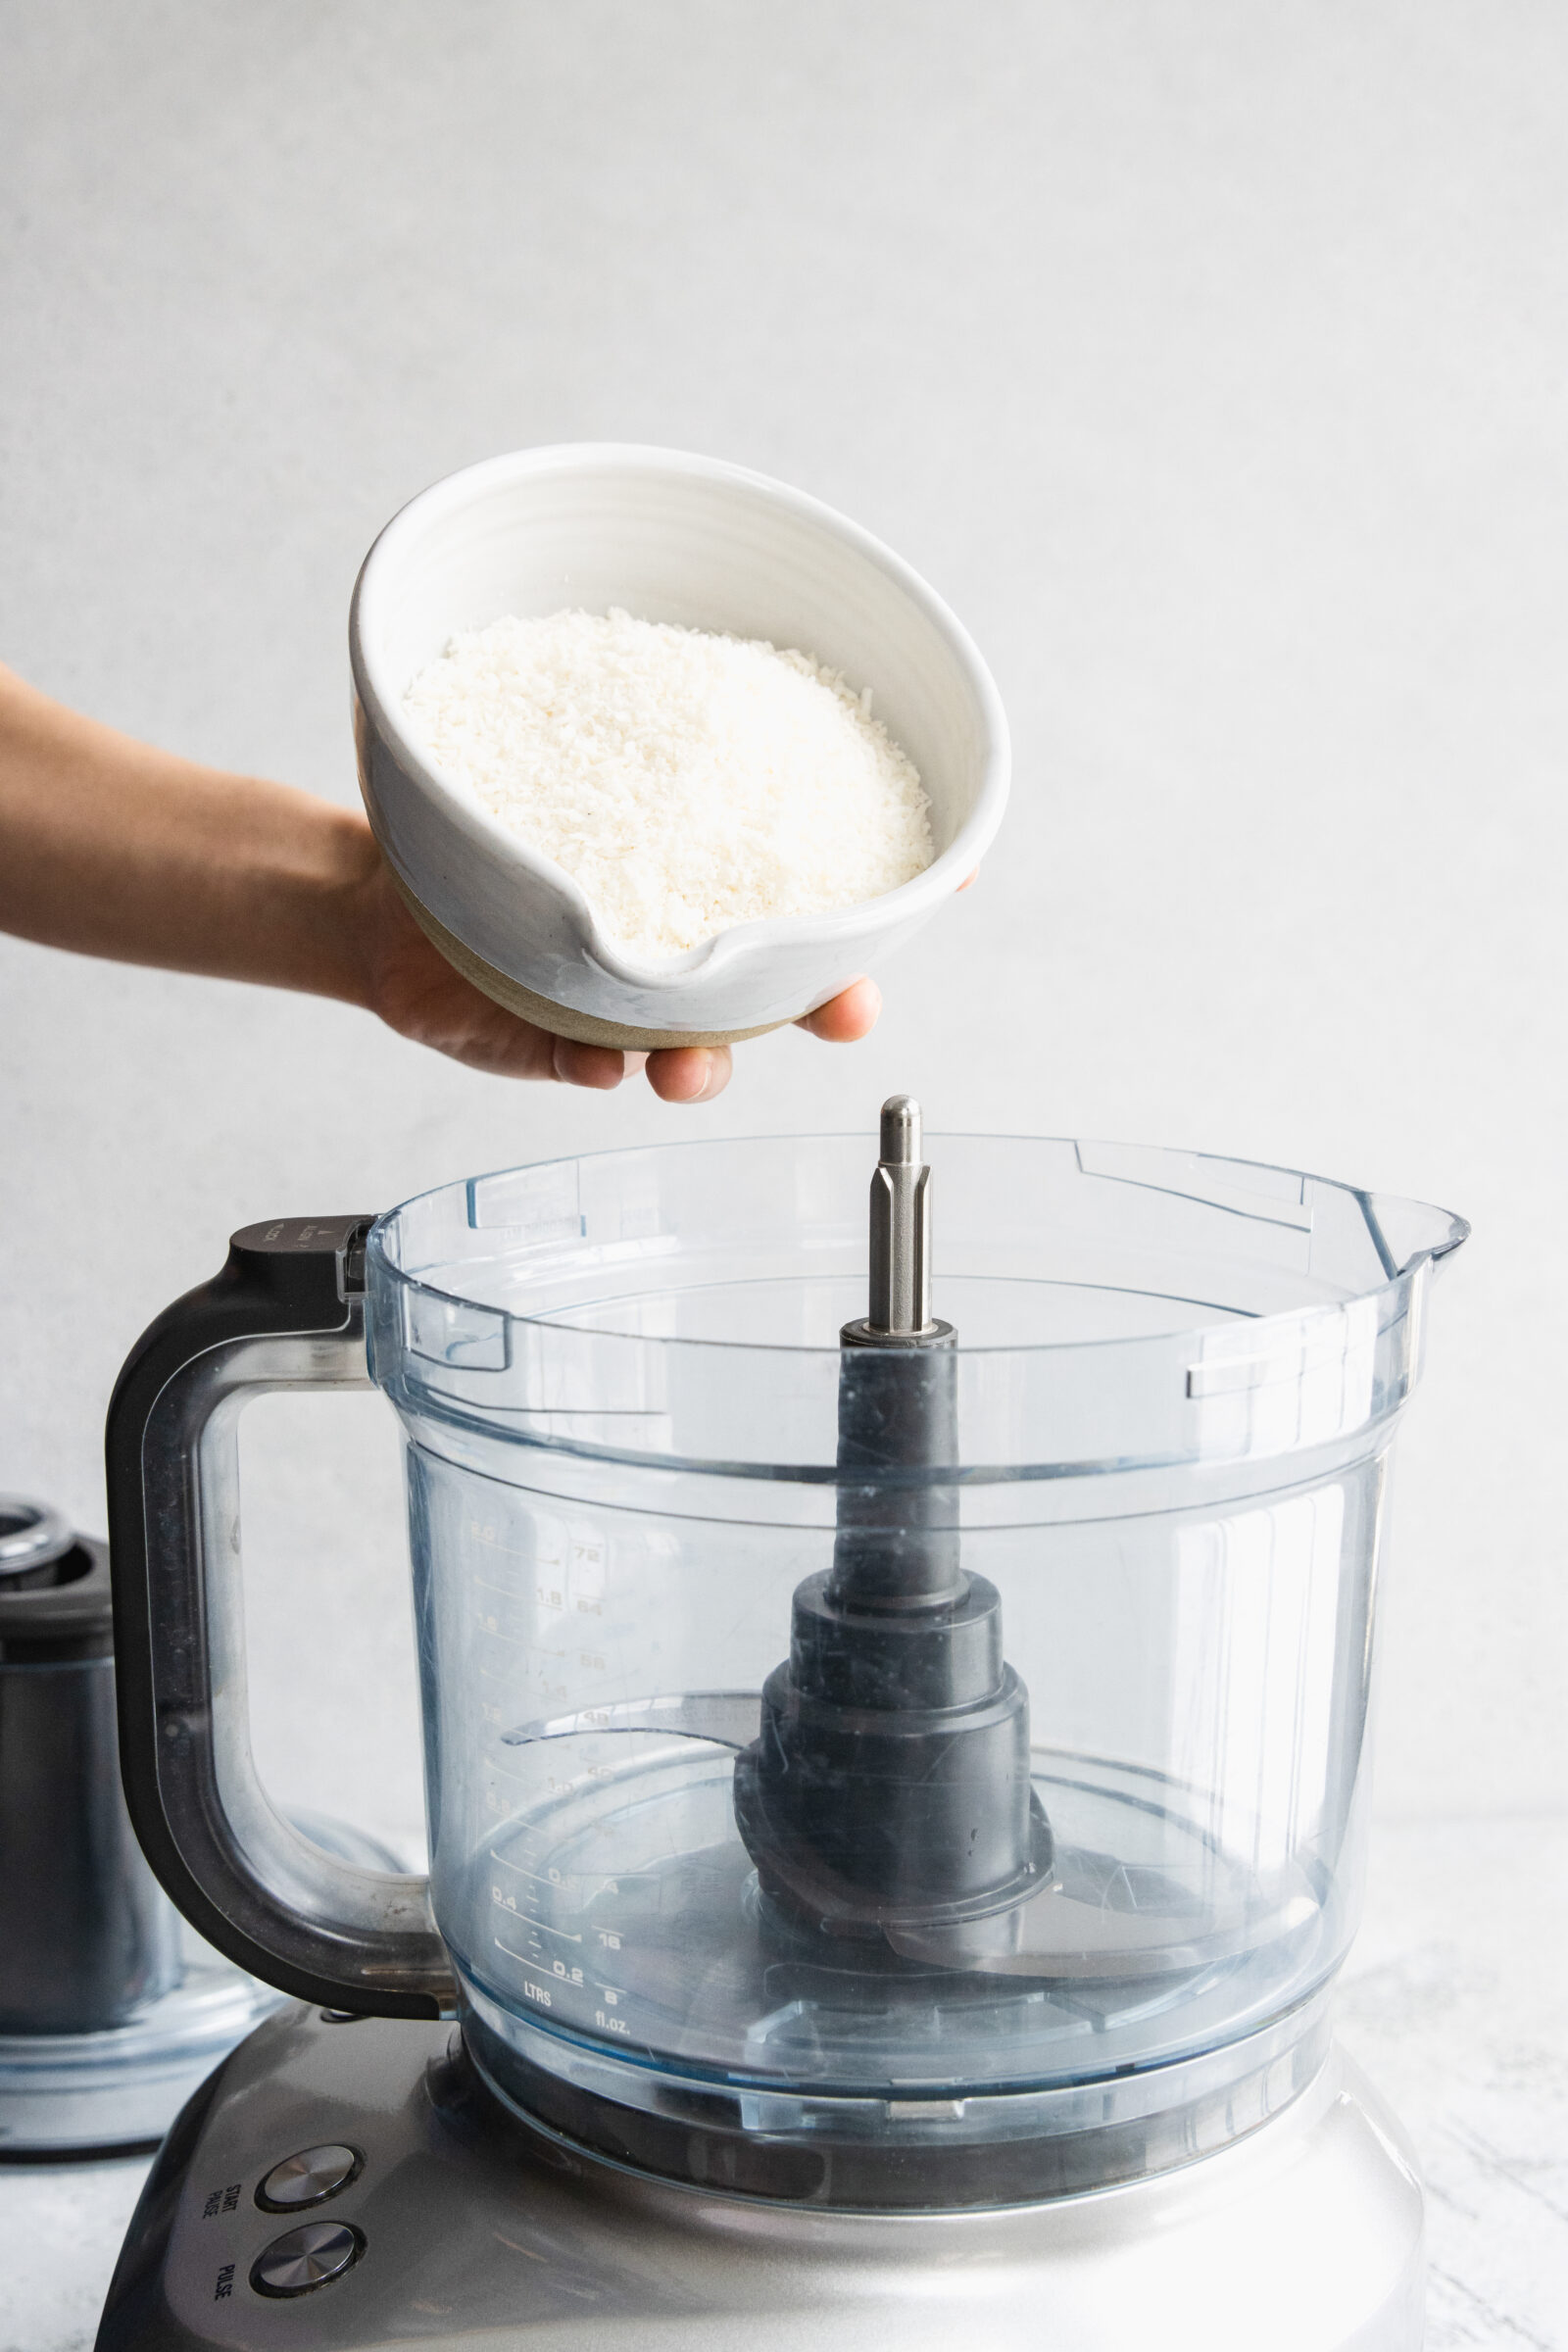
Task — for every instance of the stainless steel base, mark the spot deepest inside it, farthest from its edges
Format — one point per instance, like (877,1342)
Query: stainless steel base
(71,2093)
(463,2233)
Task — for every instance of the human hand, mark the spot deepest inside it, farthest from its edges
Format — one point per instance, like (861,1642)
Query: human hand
(410,984)
(109,846)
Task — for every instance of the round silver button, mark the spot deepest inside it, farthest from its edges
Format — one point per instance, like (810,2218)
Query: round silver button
(308,2177)
(312,2255)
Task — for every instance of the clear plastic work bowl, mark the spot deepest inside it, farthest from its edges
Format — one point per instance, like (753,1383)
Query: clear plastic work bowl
(1177,1380)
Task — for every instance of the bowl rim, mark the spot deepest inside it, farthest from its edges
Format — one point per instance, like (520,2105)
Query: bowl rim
(380,696)
(1448,1231)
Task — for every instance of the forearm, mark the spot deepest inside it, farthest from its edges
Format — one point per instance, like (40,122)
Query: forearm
(113,848)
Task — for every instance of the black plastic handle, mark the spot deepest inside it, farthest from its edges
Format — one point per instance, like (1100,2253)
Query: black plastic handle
(286,1311)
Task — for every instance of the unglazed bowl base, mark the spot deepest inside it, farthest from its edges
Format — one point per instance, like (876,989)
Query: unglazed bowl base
(561,1021)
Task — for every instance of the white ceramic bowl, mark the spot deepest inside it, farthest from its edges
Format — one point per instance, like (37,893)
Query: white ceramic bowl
(677,538)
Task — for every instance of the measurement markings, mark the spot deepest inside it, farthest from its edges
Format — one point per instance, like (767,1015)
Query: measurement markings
(511,1679)
(487,1625)
(559,1880)
(507,1863)
(523,1959)
(564,1880)
(537,1925)
(490,1675)
(570,1978)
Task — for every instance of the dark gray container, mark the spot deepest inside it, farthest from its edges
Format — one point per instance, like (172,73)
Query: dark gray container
(87,1937)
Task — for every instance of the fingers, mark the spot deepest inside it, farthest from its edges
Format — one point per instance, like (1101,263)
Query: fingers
(848,1016)
(417,993)
(688,1073)
(697,1073)
(458,1021)
(598,1066)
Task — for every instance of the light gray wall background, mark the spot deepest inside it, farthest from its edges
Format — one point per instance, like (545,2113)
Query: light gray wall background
(1209,359)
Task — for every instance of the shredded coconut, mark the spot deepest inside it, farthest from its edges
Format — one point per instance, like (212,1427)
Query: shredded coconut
(688,781)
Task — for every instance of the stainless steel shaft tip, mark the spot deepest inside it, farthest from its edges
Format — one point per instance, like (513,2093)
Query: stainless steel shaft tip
(901,1132)
(901,1239)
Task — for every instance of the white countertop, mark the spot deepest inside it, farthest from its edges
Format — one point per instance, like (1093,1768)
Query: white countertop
(1452,2002)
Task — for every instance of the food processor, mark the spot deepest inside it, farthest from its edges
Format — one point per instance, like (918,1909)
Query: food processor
(111,2012)
(896,1685)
